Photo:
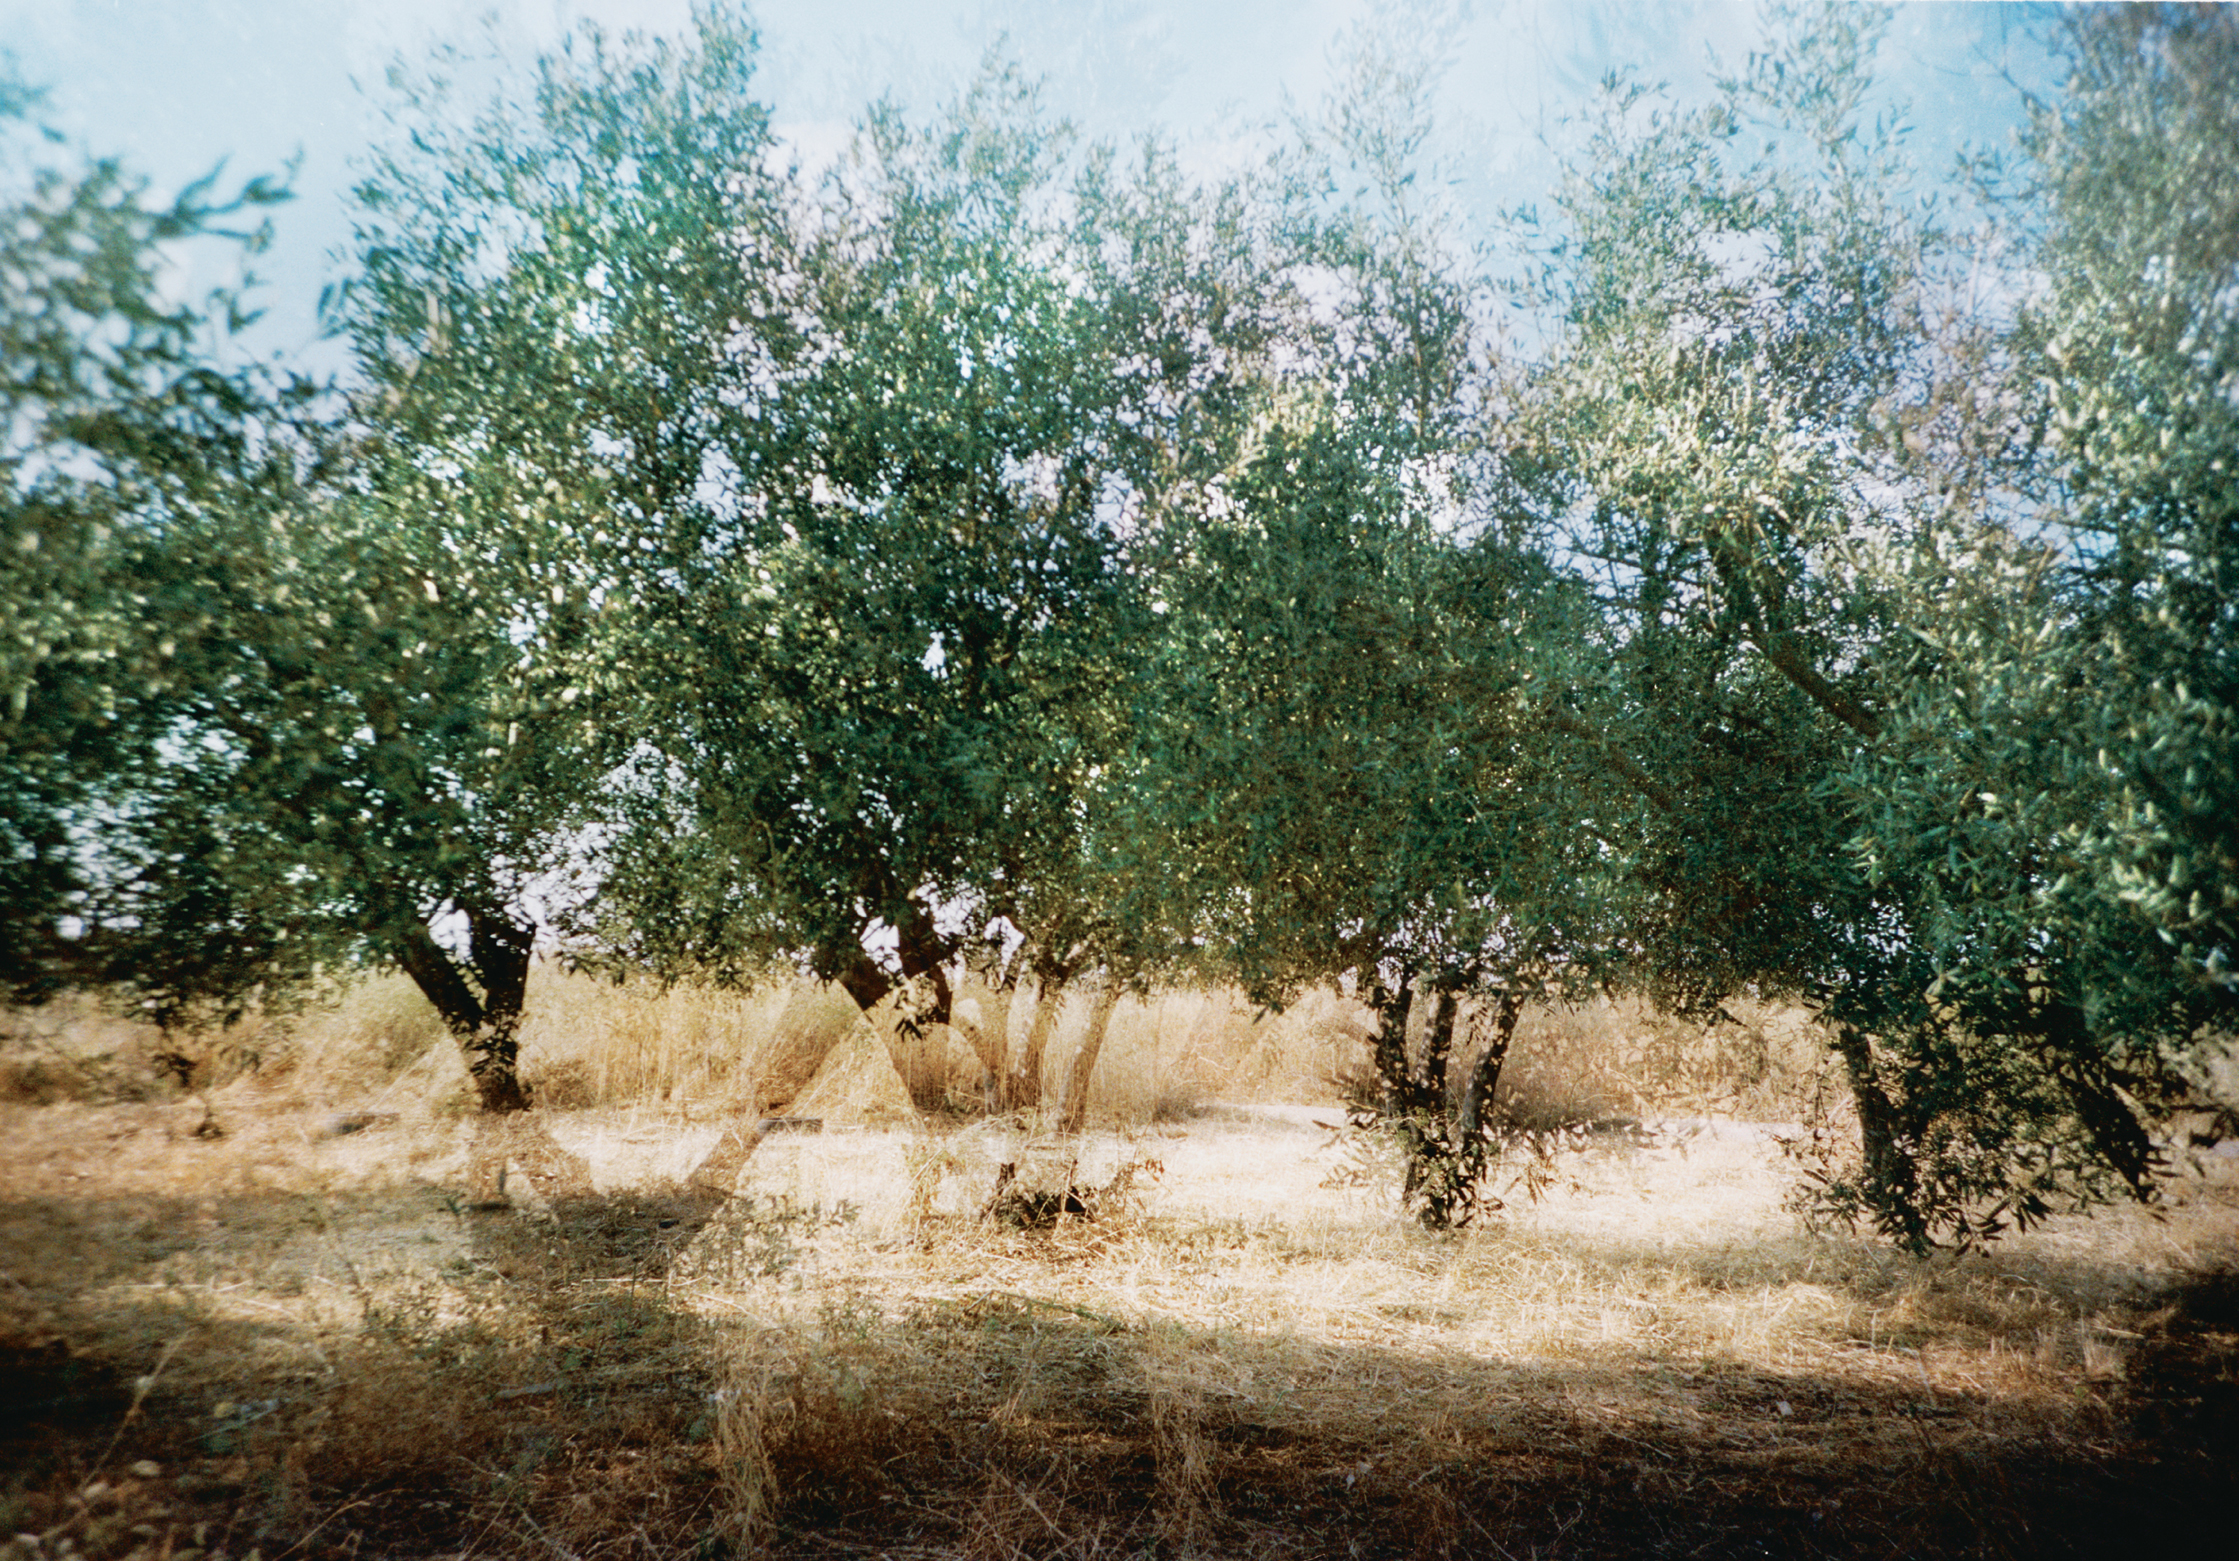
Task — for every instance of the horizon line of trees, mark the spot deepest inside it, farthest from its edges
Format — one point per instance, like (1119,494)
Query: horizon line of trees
(997,563)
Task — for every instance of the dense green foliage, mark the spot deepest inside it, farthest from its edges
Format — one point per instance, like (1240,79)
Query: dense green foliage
(550,303)
(887,663)
(122,450)
(1000,560)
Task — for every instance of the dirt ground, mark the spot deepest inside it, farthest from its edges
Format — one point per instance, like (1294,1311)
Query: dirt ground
(301,1337)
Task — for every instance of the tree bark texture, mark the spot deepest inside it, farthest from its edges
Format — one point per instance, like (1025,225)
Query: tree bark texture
(1484,1078)
(1892,1179)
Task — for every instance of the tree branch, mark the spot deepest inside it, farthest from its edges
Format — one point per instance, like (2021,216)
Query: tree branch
(1616,759)
(1781,651)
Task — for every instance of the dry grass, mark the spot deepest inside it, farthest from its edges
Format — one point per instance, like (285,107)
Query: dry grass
(701,1052)
(295,1342)
(377,1045)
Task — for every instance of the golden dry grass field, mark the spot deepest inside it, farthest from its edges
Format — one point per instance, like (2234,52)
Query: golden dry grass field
(248,1307)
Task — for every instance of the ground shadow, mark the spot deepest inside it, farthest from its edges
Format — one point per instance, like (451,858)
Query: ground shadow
(548,1393)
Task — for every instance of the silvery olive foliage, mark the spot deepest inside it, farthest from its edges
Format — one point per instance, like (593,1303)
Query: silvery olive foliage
(1344,733)
(889,654)
(133,464)
(2132,354)
(1897,701)
(553,286)
(2056,782)
(996,556)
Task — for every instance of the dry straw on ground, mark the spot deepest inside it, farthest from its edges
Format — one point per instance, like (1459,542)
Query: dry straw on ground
(294,1338)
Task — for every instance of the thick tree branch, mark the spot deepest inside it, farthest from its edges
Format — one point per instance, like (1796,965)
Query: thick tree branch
(437,978)
(1622,763)
(1781,651)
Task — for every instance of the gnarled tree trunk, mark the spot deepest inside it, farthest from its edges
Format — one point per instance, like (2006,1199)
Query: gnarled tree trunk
(923,952)
(1892,1179)
(1484,1079)
(1441,1129)
(486,1022)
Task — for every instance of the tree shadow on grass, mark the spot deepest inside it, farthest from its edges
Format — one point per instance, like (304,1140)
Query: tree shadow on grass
(543,1388)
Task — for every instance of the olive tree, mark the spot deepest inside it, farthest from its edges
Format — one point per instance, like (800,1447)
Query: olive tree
(393,709)
(896,674)
(1341,750)
(2052,783)
(552,287)
(1350,775)
(1867,664)
(2065,745)
(1734,296)
(133,459)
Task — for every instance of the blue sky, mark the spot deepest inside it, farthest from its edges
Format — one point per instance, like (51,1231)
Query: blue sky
(177,86)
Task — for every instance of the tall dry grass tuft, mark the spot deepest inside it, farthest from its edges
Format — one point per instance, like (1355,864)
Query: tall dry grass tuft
(76,1050)
(1608,1059)
(811,1412)
(747,1404)
(588,1042)
(374,1041)
(1172,1053)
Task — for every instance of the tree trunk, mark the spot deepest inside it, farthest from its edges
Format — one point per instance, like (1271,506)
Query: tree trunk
(1438,1049)
(2095,1087)
(1077,1077)
(1892,1181)
(487,1025)
(1023,1089)
(1437,1126)
(1484,1079)
(923,954)
(864,980)
(1394,1009)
